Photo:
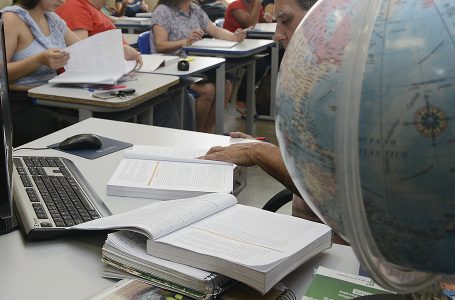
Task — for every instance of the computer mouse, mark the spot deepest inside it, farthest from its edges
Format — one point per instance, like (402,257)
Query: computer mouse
(81,142)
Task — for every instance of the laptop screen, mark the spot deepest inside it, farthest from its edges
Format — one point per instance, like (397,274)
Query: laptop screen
(6,159)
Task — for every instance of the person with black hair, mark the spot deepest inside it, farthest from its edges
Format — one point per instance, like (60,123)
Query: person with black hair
(34,37)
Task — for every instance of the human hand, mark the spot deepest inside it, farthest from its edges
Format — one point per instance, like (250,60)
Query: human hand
(268,17)
(239,154)
(195,35)
(54,58)
(124,3)
(145,7)
(132,54)
(240,35)
(240,135)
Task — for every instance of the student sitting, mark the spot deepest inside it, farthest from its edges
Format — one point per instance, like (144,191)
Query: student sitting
(34,36)
(177,23)
(130,8)
(242,14)
(85,18)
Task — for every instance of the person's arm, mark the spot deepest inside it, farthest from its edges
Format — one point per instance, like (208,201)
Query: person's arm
(144,6)
(265,155)
(223,34)
(53,58)
(163,45)
(71,38)
(246,19)
(120,7)
(132,54)
(81,33)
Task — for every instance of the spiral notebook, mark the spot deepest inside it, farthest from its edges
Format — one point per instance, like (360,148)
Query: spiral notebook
(243,292)
(125,257)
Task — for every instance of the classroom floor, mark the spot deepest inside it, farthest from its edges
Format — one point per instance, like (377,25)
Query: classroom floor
(260,186)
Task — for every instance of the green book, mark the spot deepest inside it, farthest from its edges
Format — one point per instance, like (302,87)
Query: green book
(330,284)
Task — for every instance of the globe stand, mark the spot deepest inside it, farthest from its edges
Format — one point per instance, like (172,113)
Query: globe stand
(7,225)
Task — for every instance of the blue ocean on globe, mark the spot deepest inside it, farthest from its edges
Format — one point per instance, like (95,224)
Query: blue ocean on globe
(366,115)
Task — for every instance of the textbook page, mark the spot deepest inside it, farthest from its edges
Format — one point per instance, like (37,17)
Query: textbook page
(213,43)
(159,179)
(102,51)
(93,57)
(158,219)
(169,154)
(243,235)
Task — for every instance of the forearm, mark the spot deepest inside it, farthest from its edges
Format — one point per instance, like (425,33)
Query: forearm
(268,157)
(24,67)
(253,18)
(223,34)
(120,10)
(170,46)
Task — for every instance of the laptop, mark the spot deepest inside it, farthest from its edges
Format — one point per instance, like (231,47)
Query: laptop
(50,194)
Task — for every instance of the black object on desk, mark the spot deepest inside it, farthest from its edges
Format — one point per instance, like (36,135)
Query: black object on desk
(108,146)
(183,65)
(82,141)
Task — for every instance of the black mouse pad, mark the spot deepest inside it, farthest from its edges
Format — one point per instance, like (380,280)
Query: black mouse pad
(108,146)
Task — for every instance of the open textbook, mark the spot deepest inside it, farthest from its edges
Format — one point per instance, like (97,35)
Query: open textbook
(151,62)
(213,43)
(169,173)
(214,233)
(125,256)
(97,59)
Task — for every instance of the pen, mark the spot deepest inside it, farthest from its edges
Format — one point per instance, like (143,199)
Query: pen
(247,29)
(261,138)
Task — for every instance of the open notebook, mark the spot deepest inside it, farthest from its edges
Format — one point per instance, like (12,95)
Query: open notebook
(97,59)
(213,43)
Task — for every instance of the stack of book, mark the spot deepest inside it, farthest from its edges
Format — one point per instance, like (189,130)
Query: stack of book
(170,243)
(214,233)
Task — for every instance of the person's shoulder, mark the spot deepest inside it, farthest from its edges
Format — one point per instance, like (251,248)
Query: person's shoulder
(194,6)
(74,3)
(12,19)
(236,4)
(162,8)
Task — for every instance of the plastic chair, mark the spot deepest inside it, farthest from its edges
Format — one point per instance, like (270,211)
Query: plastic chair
(143,42)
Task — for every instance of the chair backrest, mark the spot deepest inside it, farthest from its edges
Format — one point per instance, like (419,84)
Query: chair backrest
(143,42)
(219,22)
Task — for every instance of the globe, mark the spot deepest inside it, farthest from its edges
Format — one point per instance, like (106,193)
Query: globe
(366,126)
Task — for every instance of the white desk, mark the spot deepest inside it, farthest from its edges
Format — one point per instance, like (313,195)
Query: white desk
(200,64)
(243,55)
(262,31)
(147,87)
(133,24)
(69,268)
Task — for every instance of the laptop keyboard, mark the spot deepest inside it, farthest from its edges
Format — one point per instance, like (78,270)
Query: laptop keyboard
(63,202)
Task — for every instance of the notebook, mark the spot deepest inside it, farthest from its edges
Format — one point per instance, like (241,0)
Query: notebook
(213,43)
